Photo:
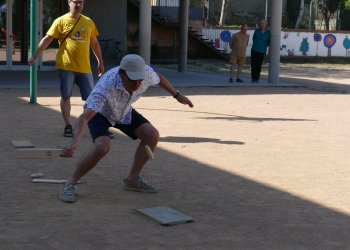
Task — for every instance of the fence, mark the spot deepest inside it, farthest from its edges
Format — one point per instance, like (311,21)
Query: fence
(168,10)
(294,43)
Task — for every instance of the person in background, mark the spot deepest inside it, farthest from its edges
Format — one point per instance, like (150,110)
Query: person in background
(13,38)
(261,44)
(238,45)
(76,33)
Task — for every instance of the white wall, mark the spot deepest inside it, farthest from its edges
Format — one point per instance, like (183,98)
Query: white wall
(291,42)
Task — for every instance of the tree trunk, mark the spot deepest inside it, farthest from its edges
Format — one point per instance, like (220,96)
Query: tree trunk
(223,13)
(206,13)
(327,19)
(301,13)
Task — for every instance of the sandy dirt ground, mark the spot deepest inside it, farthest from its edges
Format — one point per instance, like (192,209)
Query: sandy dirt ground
(257,168)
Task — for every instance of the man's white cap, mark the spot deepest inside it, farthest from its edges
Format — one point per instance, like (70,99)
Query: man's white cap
(134,66)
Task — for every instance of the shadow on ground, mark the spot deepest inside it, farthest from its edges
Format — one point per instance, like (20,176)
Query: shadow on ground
(230,212)
(228,117)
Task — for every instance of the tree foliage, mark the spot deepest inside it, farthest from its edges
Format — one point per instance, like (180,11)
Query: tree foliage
(347,5)
(328,8)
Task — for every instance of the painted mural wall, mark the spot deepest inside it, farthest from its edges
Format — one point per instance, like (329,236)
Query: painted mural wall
(293,43)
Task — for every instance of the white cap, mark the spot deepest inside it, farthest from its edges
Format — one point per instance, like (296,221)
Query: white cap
(134,66)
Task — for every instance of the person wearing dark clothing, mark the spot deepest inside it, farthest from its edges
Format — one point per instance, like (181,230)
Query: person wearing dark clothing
(261,44)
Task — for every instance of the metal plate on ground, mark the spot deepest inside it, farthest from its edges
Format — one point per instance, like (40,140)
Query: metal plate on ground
(165,215)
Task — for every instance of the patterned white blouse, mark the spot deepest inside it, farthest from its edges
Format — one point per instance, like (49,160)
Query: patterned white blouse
(110,98)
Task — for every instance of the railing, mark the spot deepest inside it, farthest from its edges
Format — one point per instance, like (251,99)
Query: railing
(214,37)
(169,10)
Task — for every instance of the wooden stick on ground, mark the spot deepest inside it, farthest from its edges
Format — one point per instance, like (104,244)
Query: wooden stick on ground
(54,181)
(38,153)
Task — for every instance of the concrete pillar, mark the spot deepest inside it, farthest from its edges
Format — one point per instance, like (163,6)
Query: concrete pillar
(145,30)
(183,21)
(276,23)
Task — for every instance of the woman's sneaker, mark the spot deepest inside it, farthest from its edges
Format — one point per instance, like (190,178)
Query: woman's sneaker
(67,193)
(139,185)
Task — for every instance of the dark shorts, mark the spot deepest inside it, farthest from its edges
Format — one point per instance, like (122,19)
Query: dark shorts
(99,125)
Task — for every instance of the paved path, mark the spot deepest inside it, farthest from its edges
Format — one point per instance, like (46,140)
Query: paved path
(49,79)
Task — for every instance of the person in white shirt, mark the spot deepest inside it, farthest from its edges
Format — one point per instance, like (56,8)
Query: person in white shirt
(109,105)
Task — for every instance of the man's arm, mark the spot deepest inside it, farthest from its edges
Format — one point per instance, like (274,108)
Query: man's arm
(79,128)
(165,84)
(95,46)
(43,44)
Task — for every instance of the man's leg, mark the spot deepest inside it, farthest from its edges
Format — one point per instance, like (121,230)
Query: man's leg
(230,72)
(98,127)
(148,135)
(232,69)
(259,64)
(253,64)
(240,63)
(67,79)
(239,71)
(139,128)
(233,66)
(90,159)
(87,162)
(65,110)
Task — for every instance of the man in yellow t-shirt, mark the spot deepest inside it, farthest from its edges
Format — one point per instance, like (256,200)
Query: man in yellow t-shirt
(238,45)
(75,33)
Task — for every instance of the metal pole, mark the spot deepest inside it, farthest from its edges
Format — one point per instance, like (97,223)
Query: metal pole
(33,45)
(183,20)
(266,6)
(276,23)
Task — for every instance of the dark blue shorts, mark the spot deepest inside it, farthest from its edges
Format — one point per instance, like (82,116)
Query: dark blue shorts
(99,125)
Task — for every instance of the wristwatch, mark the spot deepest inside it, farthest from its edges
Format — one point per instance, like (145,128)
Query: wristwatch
(176,94)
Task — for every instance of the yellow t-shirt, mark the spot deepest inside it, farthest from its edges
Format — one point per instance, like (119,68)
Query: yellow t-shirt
(74,53)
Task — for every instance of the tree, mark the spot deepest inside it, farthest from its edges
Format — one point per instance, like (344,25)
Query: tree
(223,12)
(301,12)
(328,8)
(344,15)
